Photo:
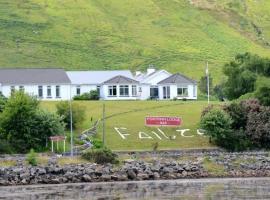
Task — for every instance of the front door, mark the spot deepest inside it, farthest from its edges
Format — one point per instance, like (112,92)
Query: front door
(154,92)
(166,92)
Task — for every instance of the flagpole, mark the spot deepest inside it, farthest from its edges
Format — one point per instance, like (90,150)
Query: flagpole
(207,74)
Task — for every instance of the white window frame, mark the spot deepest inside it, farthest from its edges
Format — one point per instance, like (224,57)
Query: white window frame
(123,90)
(21,88)
(182,88)
(57,91)
(134,90)
(40,88)
(12,89)
(111,89)
(49,94)
(78,90)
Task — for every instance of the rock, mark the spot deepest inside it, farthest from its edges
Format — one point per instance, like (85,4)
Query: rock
(86,178)
(55,181)
(131,174)
(105,177)
(142,176)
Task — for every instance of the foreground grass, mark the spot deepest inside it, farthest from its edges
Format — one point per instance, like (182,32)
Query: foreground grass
(129,117)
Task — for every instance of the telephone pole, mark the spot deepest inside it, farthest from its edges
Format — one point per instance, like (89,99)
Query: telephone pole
(103,125)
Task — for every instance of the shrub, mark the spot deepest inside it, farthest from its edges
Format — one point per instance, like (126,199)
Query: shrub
(207,109)
(263,94)
(97,143)
(217,124)
(238,114)
(258,127)
(24,126)
(32,158)
(78,113)
(92,95)
(100,156)
(84,96)
(5,147)
(3,101)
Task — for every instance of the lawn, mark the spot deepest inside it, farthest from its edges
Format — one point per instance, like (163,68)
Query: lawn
(128,117)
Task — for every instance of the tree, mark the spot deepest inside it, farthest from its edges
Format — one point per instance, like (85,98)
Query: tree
(24,126)
(263,94)
(203,84)
(3,101)
(239,80)
(78,113)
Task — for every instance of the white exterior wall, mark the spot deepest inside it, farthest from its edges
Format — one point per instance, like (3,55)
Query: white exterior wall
(156,78)
(192,94)
(33,90)
(145,92)
(84,89)
(104,93)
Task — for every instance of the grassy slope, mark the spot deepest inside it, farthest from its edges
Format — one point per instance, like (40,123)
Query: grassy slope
(133,120)
(110,34)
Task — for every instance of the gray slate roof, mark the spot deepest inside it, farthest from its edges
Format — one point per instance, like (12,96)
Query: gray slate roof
(121,80)
(33,76)
(178,79)
(95,77)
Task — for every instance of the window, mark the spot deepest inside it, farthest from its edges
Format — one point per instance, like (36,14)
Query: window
(98,90)
(194,90)
(182,91)
(40,91)
(140,89)
(21,88)
(154,92)
(112,90)
(124,91)
(78,90)
(166,92)
(57,91)
(49,92)
(12,89)
(134,90)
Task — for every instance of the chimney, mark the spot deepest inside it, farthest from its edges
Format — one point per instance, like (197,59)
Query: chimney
(150,70)
(137,73)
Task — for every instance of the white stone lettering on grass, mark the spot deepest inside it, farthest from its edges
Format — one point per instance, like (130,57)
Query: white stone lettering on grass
(163,133)
(156,135)
(123,135)
(143,135)
(201,132)
(182,132)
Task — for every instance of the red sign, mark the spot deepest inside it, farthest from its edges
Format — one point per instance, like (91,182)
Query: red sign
(57,138)
(163,121)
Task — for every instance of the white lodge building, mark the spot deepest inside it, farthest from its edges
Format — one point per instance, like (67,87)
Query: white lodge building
(56,84)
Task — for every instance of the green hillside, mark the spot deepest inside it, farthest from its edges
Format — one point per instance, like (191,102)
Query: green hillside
(178,35)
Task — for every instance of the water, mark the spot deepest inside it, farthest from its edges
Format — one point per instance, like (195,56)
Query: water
(242,188)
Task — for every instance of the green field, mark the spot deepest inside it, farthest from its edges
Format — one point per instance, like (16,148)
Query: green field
(131,115)
(177,35)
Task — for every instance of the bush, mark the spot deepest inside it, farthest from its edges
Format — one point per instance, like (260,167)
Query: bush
(92,95)
(3,101)
(217,124)
(5,147)
(97,143)
(100,156)
(78,113)
(32,158)
(263,94)
(258,128)
(24,126)
(84,96)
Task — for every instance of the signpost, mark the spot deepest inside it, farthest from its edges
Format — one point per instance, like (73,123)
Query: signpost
(163,121)
(58,138)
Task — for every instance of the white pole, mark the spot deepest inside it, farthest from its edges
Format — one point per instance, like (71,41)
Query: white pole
(207,74)
(52,145)
(64,145)
(71,121)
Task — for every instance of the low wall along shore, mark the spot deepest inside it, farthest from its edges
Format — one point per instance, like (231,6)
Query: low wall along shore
(139,166)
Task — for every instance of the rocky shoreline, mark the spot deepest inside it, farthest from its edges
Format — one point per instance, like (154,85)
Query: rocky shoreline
(215,164)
